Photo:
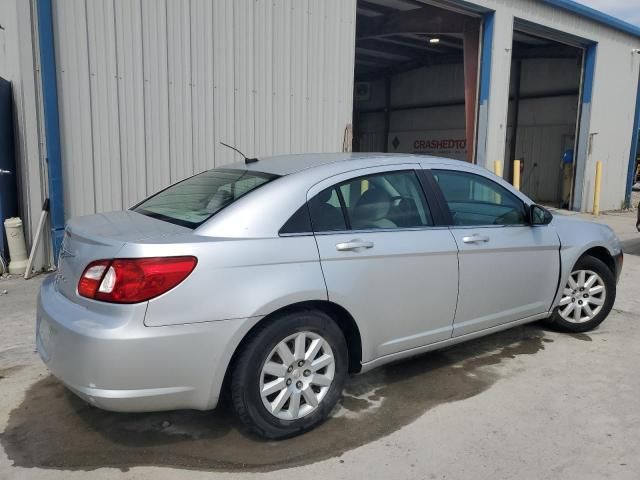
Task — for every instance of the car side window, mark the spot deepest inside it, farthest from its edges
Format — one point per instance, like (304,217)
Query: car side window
(381,201)
(326,212)
(298,223)
(475,200)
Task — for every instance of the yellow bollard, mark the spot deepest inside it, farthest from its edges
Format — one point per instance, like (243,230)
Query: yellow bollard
(596,191)
(516,174)
(497,168)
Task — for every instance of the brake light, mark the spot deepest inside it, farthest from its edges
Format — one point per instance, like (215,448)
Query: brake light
(133,280)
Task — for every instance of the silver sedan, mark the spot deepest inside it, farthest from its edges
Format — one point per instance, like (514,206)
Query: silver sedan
(275,279)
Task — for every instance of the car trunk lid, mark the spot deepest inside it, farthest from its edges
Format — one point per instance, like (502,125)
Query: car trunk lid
(102,236)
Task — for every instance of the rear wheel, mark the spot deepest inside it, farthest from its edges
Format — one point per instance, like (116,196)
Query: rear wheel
(587,298)
(290,374)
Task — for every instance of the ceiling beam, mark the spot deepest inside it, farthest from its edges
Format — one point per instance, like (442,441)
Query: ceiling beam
(379,53)
(551,51)
(406,50)
(428,19)
(411,65)
(443,40)
(374,7)
(373,61)
(404,42)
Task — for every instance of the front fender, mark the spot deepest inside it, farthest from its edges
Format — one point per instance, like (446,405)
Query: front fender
(577,237)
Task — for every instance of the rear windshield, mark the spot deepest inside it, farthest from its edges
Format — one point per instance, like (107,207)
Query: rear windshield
(193,201)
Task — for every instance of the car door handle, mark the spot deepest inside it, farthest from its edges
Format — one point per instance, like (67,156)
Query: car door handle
(475,239)
(353,245)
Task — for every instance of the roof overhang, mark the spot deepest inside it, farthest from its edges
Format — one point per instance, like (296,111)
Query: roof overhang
(595,15)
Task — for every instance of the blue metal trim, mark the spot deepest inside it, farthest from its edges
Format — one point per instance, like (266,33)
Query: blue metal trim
(590,54)
(595,15)
(634,150)
(483,89)
(485,62)
(589,72)
(51,122)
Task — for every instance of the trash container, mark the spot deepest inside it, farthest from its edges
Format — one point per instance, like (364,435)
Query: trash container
(17,247)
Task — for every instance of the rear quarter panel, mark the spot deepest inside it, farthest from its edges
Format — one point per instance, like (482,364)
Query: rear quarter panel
(235,278)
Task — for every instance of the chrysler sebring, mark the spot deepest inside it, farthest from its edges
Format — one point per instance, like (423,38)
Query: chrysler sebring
(272,280)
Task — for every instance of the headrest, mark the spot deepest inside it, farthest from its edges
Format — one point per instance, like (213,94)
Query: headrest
(325,195)
(374,204)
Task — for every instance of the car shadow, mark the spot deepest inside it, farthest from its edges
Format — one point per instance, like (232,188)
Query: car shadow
(52,428)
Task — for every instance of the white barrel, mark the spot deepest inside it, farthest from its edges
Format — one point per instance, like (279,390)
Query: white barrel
(17,247)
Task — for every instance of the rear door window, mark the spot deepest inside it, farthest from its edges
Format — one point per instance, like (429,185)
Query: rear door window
(326,211)
(193,201)
(299,222)
(390,200)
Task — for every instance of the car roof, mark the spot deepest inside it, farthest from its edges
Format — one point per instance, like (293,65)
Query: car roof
(265,210)
(289,164)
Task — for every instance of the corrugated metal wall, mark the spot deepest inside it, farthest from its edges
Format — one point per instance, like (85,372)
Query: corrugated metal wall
(148,88)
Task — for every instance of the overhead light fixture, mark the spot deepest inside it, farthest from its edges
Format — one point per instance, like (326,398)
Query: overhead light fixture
(434,40)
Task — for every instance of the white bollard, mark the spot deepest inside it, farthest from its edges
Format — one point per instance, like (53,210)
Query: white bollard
(17,247)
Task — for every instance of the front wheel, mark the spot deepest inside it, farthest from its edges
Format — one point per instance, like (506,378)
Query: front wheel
(587,298)
(290,374)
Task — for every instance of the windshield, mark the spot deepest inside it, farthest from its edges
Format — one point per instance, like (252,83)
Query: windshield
(193,201)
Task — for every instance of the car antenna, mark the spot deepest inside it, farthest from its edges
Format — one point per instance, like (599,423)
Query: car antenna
(247,160)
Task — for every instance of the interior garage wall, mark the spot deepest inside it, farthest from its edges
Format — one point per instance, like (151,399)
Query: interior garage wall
(546,125)
(542,121)
(148,88)
(369,119)
(436,86)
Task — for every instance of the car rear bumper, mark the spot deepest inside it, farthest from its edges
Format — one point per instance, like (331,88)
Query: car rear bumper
(113,361)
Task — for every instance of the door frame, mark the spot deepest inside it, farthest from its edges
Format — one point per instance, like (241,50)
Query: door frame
(370,351)
(581,147)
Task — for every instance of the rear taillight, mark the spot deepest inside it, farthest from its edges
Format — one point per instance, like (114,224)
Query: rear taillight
(133,280)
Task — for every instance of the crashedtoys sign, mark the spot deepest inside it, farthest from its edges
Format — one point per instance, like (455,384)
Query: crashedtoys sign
(449,144)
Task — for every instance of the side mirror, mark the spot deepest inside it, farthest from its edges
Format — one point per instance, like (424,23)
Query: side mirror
(539,215)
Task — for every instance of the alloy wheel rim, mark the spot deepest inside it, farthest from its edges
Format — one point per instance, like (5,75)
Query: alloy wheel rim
(583,297)
(296,375)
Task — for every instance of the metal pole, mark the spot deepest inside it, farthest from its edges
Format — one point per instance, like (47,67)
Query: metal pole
(634,150)
(36,241)
(516,174)
(387,112)
(51,121)
(497,168)
(596,191)
(471,46)
(516,113)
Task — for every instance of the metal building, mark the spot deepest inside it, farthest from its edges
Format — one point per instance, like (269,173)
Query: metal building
(115,99)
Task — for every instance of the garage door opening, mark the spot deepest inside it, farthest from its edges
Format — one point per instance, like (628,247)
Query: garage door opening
(416,79)
(544,106)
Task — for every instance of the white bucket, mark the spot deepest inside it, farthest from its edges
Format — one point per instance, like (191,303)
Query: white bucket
(17,247)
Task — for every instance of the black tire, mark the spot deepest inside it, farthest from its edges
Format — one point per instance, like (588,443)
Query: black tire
(245,374)
(598,266)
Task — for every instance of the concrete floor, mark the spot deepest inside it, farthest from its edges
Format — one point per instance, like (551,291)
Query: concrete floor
(526,403)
